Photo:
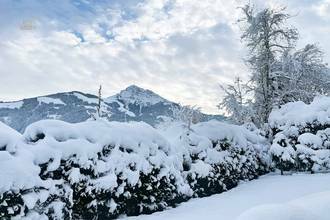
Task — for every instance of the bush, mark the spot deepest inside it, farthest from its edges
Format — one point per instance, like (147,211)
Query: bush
(221,155)
(100,170)
(301,136)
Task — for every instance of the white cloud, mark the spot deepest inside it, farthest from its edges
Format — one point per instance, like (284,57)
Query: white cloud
(160,19)
(181,49)
(323,9)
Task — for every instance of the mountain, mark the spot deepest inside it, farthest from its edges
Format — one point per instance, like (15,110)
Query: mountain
(132,104)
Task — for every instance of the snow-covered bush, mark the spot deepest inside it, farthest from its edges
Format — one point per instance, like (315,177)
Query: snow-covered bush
(283,153)
(100,170)
(22,192)
(218,155)
(301,136)
(94,169)
(112,168)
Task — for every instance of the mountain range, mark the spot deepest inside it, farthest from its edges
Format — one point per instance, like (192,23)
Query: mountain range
(131,104)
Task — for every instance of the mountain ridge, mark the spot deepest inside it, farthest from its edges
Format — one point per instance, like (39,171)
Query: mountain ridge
(131,104)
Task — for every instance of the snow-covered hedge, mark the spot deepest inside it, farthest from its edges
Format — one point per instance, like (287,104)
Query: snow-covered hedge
(98,169)
(218,155)
(301,136)
(111,168)
(22,192)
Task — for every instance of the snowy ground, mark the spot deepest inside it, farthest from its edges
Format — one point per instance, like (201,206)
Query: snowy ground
(269,189)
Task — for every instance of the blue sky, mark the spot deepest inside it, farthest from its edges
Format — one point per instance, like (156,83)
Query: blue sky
(181,49)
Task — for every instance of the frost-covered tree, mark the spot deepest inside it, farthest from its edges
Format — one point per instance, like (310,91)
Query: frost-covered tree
(266,35)
(302,75)
(186,114)
(236,102)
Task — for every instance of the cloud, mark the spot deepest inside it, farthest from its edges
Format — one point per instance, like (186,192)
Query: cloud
(323,9)
(181,49)
(163,18)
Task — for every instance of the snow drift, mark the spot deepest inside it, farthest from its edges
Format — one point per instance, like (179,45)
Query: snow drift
(105,169)
(311,207)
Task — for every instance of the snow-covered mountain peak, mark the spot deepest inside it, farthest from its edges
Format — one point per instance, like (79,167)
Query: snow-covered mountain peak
(137,95)
(131,104)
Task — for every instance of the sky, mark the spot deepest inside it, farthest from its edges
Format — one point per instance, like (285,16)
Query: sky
(180,49)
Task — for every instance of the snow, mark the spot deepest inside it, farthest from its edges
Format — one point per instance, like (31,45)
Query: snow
(269,190)
(53,116)
(108,182)
(84,140)
(113,157)
(8,137)
(216,130)
(202,138)
(85,98)
(311,207)
(17,173)
(49,100)
(111,162)
(201,169)
(17,168)
(134,94)
(11,105)
(310,140)
(123,109)
(300,114)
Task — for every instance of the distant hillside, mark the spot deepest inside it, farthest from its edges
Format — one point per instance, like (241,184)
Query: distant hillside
(132,104)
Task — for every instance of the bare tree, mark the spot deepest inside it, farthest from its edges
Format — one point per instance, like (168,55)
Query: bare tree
(101,110)
(99,102)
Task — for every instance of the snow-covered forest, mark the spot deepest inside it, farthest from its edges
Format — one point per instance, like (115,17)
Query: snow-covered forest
(269,159)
